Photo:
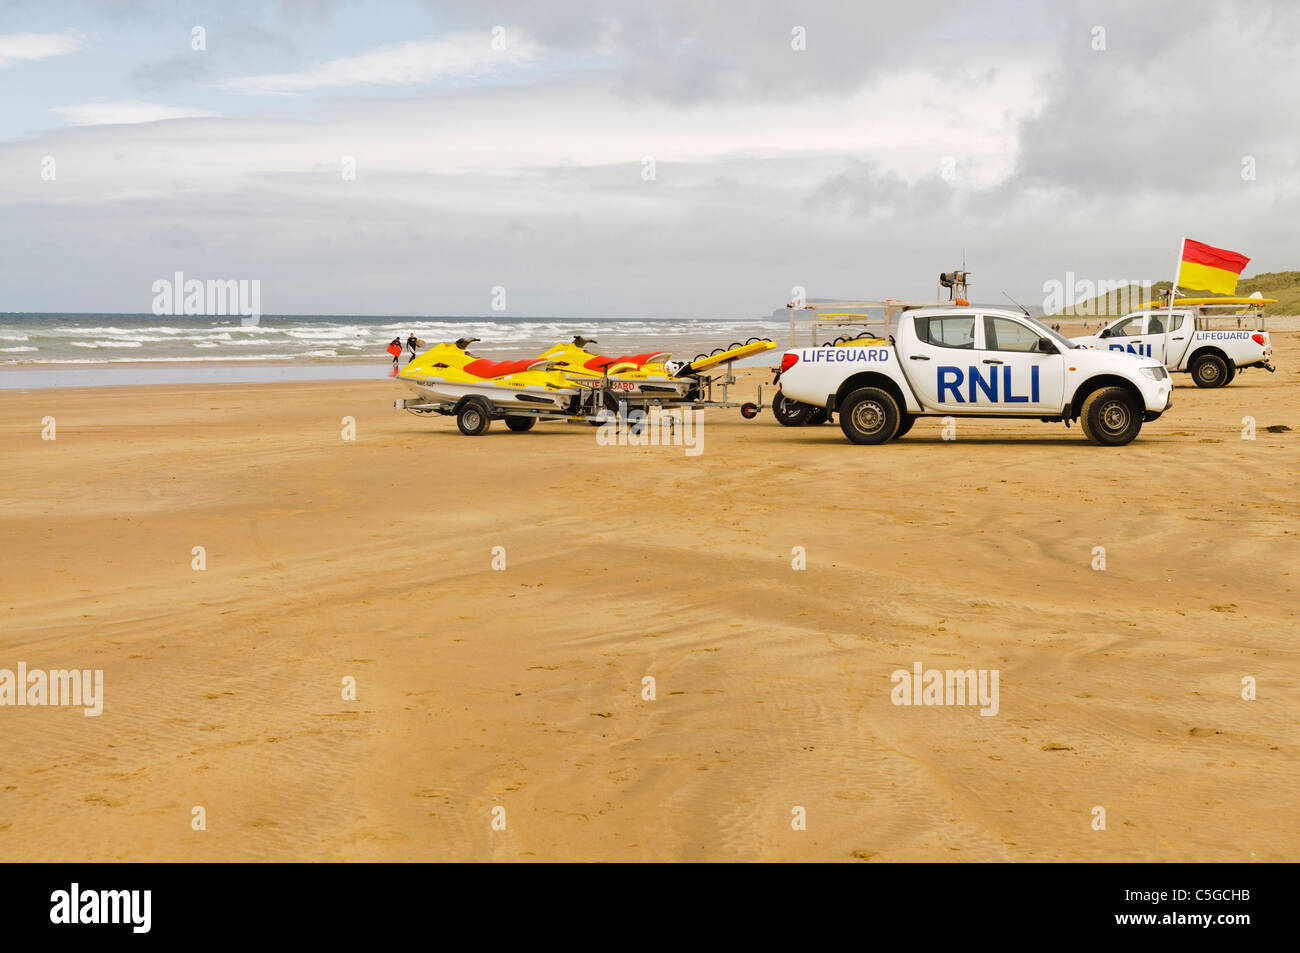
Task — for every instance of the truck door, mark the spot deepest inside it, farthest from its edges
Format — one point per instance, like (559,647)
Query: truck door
(937,359)
(1012,373)
(1129,334)
(1177,336)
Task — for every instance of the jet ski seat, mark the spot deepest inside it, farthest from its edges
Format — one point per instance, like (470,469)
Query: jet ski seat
(485,368)
(636,360)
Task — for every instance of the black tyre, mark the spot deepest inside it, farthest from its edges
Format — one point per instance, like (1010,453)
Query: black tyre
(1111,417)
(1210,370)
(869,415)
(749,411)
(520,424)
(474,417)
(904,425)
(791,413)
(1232,372)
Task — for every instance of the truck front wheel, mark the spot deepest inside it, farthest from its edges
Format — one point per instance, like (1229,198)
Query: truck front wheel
(1210,371)
(869,415)
(1110,417)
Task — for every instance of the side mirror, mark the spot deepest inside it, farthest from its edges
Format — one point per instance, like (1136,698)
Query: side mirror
(1047,346)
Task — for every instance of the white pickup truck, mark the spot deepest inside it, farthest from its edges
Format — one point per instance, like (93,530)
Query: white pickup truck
(1185,341)
(976,362)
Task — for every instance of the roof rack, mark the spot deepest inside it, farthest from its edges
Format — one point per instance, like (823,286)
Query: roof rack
(1205,309)
(841,313)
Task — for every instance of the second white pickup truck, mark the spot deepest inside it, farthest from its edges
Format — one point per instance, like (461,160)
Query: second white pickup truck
(976,362)
(1185,340)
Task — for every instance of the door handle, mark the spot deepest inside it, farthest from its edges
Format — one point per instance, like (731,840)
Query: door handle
(992,362)
(1178,339)
(919,357)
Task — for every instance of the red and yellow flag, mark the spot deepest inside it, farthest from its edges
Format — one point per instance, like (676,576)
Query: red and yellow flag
(1207,268)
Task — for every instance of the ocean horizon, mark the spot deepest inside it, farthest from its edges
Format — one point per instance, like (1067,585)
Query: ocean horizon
(30,339)
(60,338)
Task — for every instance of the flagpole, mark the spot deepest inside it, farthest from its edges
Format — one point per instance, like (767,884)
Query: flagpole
(1178,273)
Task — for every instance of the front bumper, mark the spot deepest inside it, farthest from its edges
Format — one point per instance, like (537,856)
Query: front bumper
(1151,415)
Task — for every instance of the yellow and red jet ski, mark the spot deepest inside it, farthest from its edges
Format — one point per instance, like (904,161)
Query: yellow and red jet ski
(652,367)
(447,373)
(630,376)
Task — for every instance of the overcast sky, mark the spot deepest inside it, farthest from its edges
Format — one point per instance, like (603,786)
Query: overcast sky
(506,143)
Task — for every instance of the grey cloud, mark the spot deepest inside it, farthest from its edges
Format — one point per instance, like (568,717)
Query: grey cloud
(711,49)
(1164,109)
(861,189)
(169,74)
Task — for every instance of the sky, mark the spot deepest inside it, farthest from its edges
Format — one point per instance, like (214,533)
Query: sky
(680,158)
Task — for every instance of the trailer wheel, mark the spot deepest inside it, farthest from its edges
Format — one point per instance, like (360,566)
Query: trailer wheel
(1110,417)
(905,422)
(519,423)
(1210,370)
(869,415)
(474,417)
(749,411)
(791,413)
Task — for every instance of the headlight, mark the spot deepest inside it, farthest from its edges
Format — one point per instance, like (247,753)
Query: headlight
(1155,373)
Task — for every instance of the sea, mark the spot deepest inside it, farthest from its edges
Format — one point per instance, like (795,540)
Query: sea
(67,350)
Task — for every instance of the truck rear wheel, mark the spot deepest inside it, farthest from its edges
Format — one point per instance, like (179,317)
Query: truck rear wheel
(1110,417)
(791,413)
(474,417)
(869,415)
(1232,372)
(1210,371)
(904,425)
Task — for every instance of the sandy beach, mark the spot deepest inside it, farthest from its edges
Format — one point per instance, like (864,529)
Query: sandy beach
(522,688)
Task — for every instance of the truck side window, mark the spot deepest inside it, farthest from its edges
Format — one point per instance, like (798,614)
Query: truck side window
(1003,334)
(947,332)
(1129,327)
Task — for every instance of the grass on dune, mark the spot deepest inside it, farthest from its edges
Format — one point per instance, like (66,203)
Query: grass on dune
(1282,285)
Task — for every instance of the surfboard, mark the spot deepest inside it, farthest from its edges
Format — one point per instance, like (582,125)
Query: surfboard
(865,339)
(1201,302)
(732,354)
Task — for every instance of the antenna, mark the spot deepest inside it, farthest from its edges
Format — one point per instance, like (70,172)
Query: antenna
(1017,304)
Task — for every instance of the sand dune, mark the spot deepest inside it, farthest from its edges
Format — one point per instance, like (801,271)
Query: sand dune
(521,688)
